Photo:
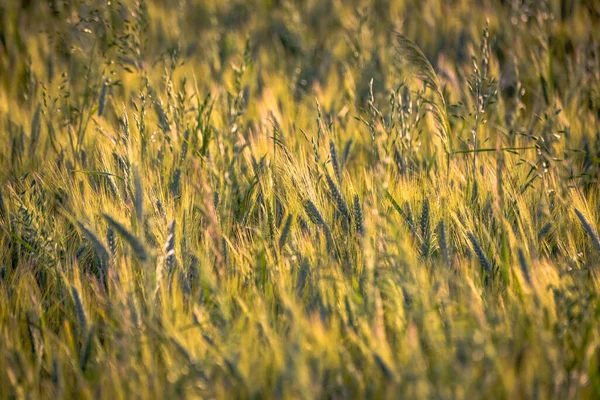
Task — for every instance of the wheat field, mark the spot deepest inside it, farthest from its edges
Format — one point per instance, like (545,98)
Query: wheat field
(374,199)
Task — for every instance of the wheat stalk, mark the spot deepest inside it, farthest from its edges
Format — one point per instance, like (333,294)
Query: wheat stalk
(425,229)
(358,216)
(338,198)
(97,244)
(524,266)
(481,255)
(285,231)
(170,249)
(138,248)
(79,310)
(335,161)
(590,231)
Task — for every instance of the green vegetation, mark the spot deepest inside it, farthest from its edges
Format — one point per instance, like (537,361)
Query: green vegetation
(299,199)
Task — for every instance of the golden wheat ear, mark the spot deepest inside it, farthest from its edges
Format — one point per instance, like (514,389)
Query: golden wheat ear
(413,62)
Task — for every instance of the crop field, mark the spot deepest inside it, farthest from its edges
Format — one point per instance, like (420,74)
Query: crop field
(285,199)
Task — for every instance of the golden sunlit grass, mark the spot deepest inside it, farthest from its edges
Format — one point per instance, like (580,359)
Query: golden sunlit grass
(299,199)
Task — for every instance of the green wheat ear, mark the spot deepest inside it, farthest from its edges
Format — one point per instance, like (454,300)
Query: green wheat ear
(412,59)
